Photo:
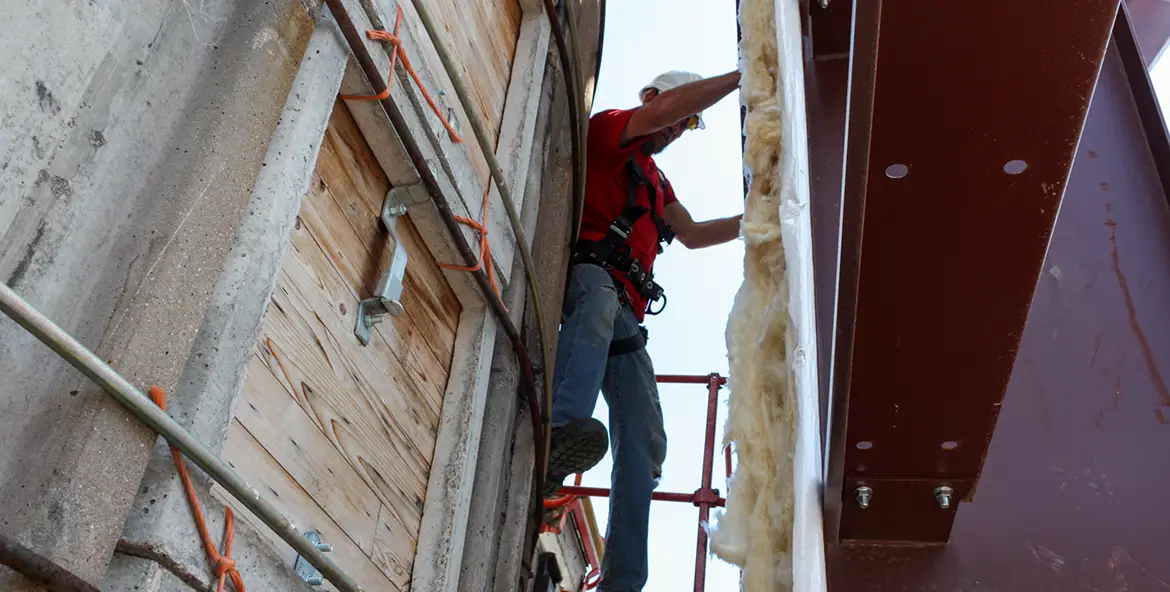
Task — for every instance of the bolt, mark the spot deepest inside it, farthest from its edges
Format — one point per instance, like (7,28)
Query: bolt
(864,494)
(373,319)
(943,495)
(314,580)
(324,547)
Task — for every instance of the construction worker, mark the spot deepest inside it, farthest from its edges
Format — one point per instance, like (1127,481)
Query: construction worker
(630,213)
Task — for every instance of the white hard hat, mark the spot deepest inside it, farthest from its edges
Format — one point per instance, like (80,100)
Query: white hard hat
(668,80)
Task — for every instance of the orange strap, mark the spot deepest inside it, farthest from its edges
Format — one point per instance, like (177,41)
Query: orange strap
(397,52)
(485,249)
(224,565)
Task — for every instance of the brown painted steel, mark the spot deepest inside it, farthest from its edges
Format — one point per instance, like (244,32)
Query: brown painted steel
(952,251)
(1151,19)
(1071,497)
(858,120)
(1125,36)
(830,28)
(826,84)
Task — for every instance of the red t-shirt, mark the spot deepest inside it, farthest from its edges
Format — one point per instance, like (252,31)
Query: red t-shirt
(606,185)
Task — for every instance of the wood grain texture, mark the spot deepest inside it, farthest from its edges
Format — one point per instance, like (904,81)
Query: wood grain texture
(346,433)
(247,455)
(481,36)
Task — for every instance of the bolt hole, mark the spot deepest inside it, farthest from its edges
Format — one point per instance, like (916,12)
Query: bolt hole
(897,171)
(950,445)
(864,445)
(1015,167)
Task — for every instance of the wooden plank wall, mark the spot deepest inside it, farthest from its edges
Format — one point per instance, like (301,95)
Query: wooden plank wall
(481,36)
(341,436)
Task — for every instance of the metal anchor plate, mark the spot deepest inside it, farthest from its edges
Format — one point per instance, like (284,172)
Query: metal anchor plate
(387,299)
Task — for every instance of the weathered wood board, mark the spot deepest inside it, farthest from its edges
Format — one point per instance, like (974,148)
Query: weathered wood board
(344,435)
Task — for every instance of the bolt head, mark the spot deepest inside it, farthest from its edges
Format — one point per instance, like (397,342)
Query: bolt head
(314,581)
(324,547)
(943,494)
(863,495)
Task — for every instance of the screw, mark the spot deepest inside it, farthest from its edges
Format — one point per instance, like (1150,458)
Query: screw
(943,495)
(314,580)
(324,547)
(864,494)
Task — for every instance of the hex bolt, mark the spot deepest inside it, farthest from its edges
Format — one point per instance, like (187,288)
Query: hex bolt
(315,581)
(943,495)
(324,547)
(863,494)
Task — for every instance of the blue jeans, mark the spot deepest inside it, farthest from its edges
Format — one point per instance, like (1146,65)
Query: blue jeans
(594,317)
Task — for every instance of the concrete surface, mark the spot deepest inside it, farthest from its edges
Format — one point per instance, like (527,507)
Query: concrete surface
(214,374)
(492,474)
(130,137)
(260,568)
(143,133)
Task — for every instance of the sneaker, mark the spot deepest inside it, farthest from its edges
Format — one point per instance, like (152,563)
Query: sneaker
(576,447)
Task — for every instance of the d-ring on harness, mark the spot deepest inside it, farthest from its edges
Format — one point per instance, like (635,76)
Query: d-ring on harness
(612,252)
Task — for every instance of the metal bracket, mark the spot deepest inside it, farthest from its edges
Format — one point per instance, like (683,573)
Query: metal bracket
(307,572)
(387,299)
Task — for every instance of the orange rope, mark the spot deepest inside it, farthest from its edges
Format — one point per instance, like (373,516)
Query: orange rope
(224,564)
(485,249)
(564,500)
(398,51)
(393,60)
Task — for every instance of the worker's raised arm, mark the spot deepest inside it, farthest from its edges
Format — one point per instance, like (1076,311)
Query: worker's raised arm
(676,104)
(696,235)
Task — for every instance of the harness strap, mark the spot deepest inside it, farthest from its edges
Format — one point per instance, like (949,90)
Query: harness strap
(629,344)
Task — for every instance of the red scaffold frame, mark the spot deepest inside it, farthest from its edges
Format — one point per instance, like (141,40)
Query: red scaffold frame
(705,497)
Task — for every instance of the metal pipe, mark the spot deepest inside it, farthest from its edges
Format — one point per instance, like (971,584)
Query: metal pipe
(577,129)
(487,147)
(579,98)
(39,569)
(658,496)
(156,419)
(713,384)
(370,69)
(689,379)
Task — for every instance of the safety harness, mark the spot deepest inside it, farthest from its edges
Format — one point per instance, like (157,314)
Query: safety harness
(613,253)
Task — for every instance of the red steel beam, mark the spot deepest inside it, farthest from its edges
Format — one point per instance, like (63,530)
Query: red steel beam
(977,109)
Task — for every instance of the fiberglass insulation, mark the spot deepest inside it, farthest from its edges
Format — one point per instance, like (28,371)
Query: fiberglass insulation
(756,530)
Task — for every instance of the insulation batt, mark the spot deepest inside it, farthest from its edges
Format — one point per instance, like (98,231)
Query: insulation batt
(755,532)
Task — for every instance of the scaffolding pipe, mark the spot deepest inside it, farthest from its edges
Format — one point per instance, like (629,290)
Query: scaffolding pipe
(156,419)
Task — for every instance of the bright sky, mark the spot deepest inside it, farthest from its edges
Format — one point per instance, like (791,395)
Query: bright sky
(643,39)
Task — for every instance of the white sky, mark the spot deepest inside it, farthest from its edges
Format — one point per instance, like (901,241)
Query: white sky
(643,39)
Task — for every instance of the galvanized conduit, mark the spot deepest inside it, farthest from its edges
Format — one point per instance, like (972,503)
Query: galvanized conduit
(156,419)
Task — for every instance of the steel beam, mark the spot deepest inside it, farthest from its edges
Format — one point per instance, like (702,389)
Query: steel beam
(975,120)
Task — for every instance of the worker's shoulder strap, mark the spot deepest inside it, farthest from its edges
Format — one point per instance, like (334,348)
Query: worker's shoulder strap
(629,344)
(638,176)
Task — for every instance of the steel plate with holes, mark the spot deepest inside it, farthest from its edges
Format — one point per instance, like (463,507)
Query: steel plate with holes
(977,110)
(1070,496)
